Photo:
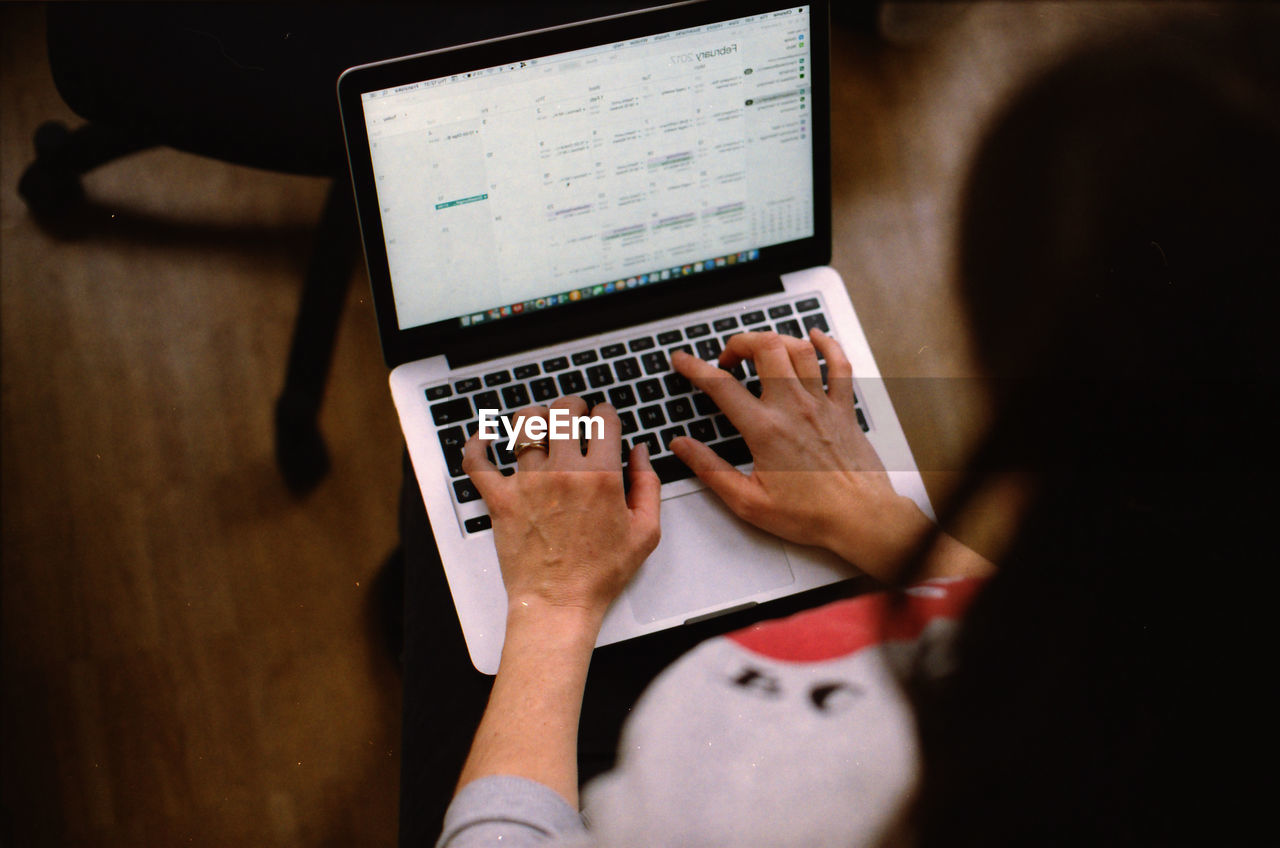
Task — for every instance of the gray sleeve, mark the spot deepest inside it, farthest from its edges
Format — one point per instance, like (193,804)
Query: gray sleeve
(508,811)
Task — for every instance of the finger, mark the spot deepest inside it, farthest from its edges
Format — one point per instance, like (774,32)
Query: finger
(605,449)
(730,395)
(644,499)
(729,483)
(532,458)
(839,371)
(562,424)
(482,472)
(767,350)
(805,360)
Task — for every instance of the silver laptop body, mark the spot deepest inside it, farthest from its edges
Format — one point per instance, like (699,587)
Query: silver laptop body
(555,213)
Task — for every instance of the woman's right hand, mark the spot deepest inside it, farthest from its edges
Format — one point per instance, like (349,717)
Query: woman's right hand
(817,480)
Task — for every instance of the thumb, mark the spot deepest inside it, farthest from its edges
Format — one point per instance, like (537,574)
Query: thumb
(729,483)
(644,499)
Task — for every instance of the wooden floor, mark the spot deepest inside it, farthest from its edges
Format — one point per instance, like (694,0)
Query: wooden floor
(188,655)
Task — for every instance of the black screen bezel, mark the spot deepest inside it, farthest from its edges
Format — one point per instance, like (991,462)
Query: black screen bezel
(567,321)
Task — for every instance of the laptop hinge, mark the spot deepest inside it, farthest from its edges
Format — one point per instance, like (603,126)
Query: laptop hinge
(612,316)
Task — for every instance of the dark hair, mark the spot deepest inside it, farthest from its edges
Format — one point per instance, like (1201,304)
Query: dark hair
(1119,266)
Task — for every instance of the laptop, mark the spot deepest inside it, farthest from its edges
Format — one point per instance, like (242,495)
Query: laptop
(555,213)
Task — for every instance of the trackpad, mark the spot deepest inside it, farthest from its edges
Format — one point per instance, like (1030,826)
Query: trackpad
(708,556)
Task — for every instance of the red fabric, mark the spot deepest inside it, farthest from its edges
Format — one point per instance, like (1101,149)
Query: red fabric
(846,627)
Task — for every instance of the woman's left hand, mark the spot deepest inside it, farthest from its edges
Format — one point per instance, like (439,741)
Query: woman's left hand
(567,535)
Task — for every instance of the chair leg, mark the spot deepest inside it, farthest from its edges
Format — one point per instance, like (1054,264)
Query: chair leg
(300,450)
(51,184)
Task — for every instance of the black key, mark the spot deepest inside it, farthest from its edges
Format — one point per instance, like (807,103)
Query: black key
(651,416)
(704,404)
(780,311)
(487,400)
(628,420)
(599,375)
(593,398)
(751,367)
(451,411)
(725,426)
(515,396)
(816,320)
(680,409)
(697,331)
(453,461)
(862,421)
(497,378)
(669,337)
(524,372)
(807,305)
(649,390)
(504,456)
(559,363)
(734,451)
(622,397)
(465,490)
(611,350)
(709,348)
(686,348)
(638,345)
(655,363)
(753,317)
(628,369)
(437,392)
(753,386)
(571,382)
(671,433)
(584,357)
(677,384)
(650,440)
(480,522)
(738,371)
(452,438)
(790,328)
(508,470)
(470,384)
(725,339)
(472,426)
(723,324)
(822,368)
(671,468)
(702,430)
(543,389)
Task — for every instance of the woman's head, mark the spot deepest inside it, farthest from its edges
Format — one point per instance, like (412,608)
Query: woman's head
(1119,267)
(1119,241)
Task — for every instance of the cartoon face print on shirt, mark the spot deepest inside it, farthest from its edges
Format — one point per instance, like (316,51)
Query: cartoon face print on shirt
(826,696)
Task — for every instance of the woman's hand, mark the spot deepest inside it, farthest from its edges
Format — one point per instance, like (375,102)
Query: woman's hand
(817,480)
(568,541)
(567,535)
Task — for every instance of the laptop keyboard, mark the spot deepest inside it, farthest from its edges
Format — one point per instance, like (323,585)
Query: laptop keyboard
(654,403)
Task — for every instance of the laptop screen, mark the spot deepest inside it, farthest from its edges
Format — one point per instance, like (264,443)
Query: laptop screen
(553,179)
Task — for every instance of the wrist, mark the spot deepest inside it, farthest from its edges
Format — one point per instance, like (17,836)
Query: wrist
(897,526)
(551,624)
